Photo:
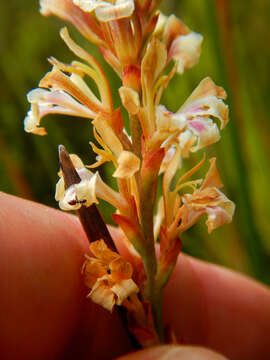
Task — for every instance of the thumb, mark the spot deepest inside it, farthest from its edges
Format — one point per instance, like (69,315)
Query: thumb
(170,352)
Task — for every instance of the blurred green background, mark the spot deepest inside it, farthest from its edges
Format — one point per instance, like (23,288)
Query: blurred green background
(235,54)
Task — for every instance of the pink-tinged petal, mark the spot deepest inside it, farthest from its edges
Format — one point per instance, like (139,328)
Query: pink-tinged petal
(216,217)
(61,99)
(58,81)
(205,131)
(68,11)
(208,199)
(219,215)
(44,102)
(199,126)
(186,50)
(207,106)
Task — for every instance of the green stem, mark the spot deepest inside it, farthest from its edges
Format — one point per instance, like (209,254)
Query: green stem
(136,134)
(147,198)
(157,312)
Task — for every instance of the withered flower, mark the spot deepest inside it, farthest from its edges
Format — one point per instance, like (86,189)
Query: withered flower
(108,276)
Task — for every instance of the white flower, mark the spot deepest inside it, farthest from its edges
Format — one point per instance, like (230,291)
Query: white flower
(107,10)
(83,193)
(86,192)
(193,121)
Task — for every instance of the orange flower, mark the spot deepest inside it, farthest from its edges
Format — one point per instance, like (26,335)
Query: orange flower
(108,276)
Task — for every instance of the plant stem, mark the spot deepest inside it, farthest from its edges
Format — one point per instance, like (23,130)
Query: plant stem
(136,134)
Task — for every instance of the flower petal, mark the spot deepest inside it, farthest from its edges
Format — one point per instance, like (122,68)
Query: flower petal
(92,270)
(120,269)
(107,11)
(219,215)
(205,131)
(128,165)
(124,289)
(102,252)
(57,80)
(173,29)
(86,191)
(60,189)
(32,121)
(208,199)
(207,106)
(83,193)
(69,201)
(102,294)
(186,50)
(212,177)
(206,87)
(121,9)
(66,10)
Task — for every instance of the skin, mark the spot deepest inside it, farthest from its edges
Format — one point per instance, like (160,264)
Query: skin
(45,314)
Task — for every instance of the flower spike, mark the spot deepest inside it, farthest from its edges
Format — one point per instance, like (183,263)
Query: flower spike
(147,146)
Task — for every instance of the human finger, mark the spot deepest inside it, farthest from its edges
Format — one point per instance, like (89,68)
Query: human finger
(44,310)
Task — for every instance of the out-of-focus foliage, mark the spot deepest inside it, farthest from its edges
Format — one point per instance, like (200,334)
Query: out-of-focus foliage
(235,54)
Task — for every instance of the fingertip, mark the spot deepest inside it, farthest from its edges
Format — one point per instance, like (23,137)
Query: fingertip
(215,307)
(170,352)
